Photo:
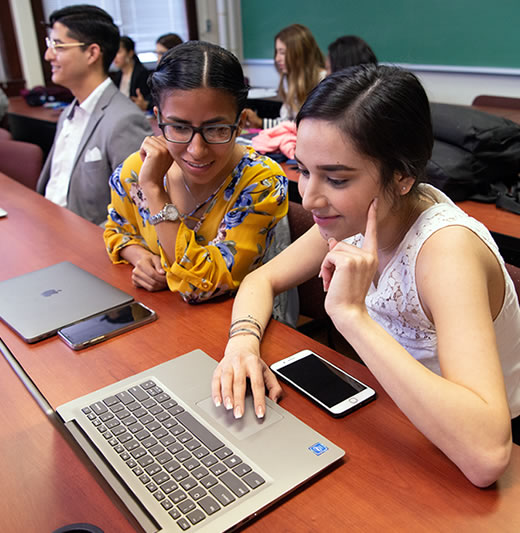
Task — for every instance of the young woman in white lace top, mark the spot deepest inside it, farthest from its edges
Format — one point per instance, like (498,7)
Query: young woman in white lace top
(416,286)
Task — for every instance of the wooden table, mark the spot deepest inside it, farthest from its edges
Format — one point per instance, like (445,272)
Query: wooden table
(19,106)
(495,219)
(392,478)
(46,482)
(36,125)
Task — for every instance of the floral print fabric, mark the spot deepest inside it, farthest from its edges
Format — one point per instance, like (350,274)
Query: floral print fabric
(236,229)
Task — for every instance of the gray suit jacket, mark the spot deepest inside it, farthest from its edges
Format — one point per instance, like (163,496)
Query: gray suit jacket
(116,128)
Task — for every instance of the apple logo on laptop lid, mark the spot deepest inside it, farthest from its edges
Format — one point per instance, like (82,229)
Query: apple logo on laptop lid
(50,292)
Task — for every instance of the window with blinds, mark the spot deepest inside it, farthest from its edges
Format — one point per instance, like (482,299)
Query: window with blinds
(143,21)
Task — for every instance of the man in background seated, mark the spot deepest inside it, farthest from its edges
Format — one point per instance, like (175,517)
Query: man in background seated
(101,127)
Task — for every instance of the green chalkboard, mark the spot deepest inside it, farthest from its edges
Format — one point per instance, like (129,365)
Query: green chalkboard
(474,33)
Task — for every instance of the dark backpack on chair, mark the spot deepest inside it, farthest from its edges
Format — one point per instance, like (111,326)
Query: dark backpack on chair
(475,155)
(40,95)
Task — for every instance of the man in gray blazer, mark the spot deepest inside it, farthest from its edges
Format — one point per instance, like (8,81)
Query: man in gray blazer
(101,127)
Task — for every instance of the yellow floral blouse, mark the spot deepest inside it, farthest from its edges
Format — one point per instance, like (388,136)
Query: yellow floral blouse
(236,230)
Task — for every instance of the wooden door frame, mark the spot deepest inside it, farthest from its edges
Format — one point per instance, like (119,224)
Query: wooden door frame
(9,52)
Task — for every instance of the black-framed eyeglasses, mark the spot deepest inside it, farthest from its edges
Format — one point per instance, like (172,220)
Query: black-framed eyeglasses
(177,132)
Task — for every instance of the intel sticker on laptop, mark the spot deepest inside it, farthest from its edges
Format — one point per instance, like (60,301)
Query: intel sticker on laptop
(318,448)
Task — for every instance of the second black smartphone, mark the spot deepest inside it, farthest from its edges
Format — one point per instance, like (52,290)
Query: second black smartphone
(105,325)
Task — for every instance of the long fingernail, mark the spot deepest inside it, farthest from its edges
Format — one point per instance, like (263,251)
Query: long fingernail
(217,402)
(238,412)
(260,412)
(228,403)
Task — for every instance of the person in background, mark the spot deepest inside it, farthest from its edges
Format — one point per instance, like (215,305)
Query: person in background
(132,76)
(192,210)
(416,286)
(162,45)
(348,51)
(301,65)
(98,130)
(165,42)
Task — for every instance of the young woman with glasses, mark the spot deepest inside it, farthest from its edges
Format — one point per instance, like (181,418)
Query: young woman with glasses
(192,210)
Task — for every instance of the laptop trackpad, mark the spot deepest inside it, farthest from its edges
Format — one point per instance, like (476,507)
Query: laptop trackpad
(244,427)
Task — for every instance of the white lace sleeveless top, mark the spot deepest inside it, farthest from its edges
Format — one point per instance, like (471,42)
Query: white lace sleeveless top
(395,305)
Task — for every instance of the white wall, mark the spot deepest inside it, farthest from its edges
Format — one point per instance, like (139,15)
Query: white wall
(27,42)
(461,88)
(442,86)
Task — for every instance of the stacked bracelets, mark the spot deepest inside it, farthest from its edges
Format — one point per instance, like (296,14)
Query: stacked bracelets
(246,326)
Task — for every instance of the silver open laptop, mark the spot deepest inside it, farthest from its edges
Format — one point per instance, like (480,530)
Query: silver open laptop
(180,463)
(39,303)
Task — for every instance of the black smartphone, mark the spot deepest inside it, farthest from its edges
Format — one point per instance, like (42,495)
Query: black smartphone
(105,325)
(327,385)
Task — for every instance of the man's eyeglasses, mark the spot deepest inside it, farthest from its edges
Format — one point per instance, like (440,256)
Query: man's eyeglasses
(176,132)
(55,47)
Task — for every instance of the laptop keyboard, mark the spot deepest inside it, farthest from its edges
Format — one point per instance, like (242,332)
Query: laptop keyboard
(187,468)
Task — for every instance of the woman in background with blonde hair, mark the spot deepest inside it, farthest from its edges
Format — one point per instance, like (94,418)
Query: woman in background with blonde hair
(301,65)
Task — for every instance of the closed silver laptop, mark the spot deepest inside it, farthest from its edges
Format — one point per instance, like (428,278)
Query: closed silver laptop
(178,462)
(39,303)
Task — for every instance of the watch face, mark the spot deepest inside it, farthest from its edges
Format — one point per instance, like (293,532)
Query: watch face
(170,212)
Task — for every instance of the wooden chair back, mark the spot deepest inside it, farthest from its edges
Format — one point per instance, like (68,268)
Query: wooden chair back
(310,293)
(509,102)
